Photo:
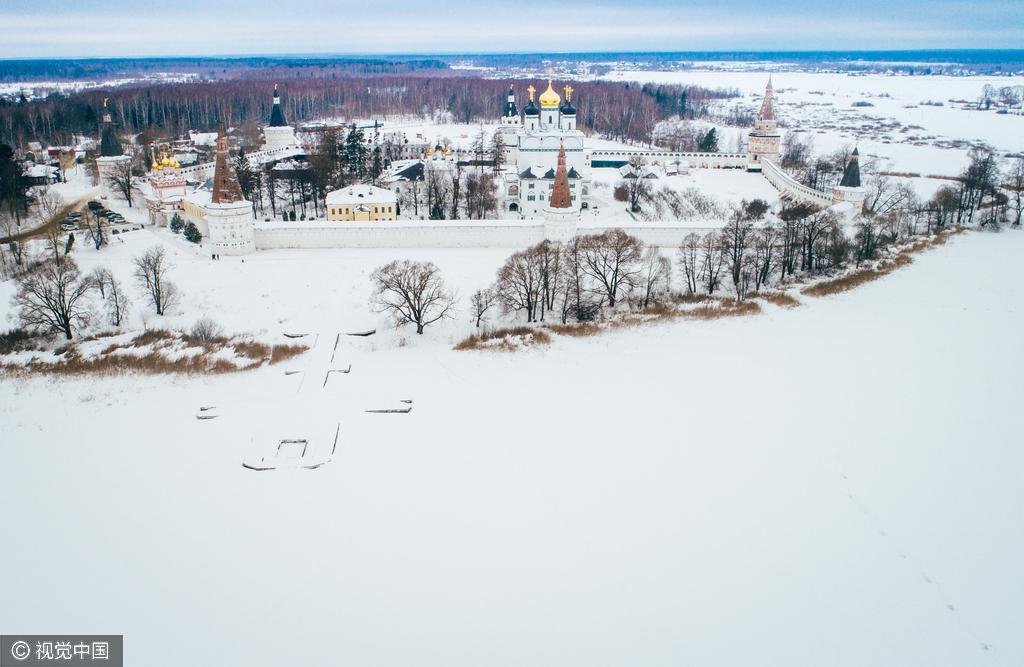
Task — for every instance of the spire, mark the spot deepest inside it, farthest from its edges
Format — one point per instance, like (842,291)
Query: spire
(276,113)
(225,182)
(767,106)
(510,110)
(851,175)
(109,144)
(560,195)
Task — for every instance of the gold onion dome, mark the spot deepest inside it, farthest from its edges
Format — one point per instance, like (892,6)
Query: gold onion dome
(549,99)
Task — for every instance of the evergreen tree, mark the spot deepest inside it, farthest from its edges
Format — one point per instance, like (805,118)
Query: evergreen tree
(177,224)
(709,144)
(355,154)
(192,233)
(376,165)
(13,186)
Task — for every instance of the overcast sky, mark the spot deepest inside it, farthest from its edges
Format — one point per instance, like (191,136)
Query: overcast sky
(62,28)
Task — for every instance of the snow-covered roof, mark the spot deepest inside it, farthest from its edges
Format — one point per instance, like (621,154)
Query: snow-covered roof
(360,194)
(203,138)
(199,197)
(40,171)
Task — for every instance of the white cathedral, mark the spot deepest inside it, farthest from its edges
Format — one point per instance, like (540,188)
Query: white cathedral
(533,142)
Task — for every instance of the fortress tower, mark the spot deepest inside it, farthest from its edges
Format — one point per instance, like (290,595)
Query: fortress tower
(763,140)
(111,161)
(560,214)
(850,189)
(278,134)
(229,216)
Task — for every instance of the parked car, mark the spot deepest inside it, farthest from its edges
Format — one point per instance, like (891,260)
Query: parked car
(115,231)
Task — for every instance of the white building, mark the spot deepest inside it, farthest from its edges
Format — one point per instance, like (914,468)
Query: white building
(536,142)
(279,134)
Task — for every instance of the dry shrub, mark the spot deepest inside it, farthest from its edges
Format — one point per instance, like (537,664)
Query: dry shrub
(206,330)
(660,310)
(152,336)
(580,330)
(844,283)
(248,354)
(781,299)
(252,349)
(280,353)
(690,298)
(859,277)
(723,309)
(507,339)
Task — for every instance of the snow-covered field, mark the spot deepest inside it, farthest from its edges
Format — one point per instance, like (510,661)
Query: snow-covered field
(899,130)
(833,485)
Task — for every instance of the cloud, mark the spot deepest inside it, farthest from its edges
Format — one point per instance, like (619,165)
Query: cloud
(185,28)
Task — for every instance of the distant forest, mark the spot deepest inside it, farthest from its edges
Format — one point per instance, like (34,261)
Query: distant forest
(622,111)
(84,69)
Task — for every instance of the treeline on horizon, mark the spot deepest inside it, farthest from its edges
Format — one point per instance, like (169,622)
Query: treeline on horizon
(921,61)
(78,69)
(622,111)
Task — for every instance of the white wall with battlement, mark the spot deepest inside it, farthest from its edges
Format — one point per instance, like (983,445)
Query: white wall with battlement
(197,173)
(696,160)
(400,234)
(792,189)
(512,234)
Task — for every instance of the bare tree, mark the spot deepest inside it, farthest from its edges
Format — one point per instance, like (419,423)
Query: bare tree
(151,270)
(884,195)
(121,179)
(113,294)
(481,195)
(638,189)
(766,238)
(654,276)
(735,236)
(412,293)
(612,260)
(1015,184)
(520,283)
(482,300)
(687,257)
(711,261)
(51,296)
(95,229)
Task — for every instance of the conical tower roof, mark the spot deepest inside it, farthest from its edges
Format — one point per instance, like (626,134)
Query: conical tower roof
(851,175)
(560,195)
(276,112)
(226,189)
(767,111)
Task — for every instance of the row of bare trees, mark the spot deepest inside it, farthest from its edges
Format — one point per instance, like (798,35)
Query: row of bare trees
(54,296)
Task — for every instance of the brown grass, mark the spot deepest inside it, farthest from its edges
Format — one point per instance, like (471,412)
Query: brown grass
(506,340)
(279,353)
(249,354)
(904,257)
(781,299)
(844,283)
(581,330)
(724,308)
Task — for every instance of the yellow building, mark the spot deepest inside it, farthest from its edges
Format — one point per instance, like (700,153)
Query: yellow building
(361,203)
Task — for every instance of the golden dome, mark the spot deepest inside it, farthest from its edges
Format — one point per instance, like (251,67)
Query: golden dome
(549,99)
